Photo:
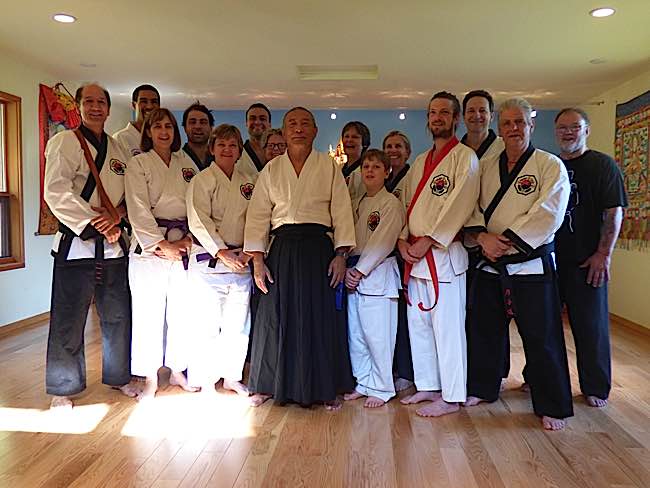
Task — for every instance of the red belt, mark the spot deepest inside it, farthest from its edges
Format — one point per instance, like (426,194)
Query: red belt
(433,272)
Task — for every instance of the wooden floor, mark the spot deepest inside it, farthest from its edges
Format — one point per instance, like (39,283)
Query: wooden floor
(186,440)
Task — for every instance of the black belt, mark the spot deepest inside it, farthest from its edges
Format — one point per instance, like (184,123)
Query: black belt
(500,265)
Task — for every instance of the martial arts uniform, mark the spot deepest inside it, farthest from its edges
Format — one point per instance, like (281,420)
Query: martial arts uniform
(249,163)
(155,197)
(85,264)
(216,212)
(372,308)
(197,161)
(300,345)
(527,206)
(402,362)
(129,138)
(437,331)
(352,175)
(596,185)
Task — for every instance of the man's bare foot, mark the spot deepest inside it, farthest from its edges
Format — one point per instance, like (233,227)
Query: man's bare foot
(130,389)
(258,398)
(402,384)
(149,390)
(354,395)
(594,401)
(551,423)
(177,378)
(525,387)
(334,405)
(236,386)
(61,402)
(472,401)
(438,409)
(373,402)
(503,384)
(421,396)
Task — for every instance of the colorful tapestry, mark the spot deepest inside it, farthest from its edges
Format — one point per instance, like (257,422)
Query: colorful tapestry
(632,153)
(57,111)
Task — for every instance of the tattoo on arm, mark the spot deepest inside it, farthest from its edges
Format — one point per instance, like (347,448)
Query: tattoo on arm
(610,230)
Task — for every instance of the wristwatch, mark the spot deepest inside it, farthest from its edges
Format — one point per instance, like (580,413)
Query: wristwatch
(343,254)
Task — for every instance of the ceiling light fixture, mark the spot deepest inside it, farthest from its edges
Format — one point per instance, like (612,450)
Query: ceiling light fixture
(64,18)
(598,61)
(602,12)
(333,116)
(402,116)
(533,114)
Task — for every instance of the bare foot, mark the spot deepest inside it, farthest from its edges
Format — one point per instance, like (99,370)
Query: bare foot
(594,401)
(236,386)
(61,402)
(130,389)
(334,405)
(421,396)
(177,378)
(402,384)
(438,409)
(525,387)
(503,384)
(373,402)
(551,423)
(355,395)
(472,401)
(258,398)
(148,392)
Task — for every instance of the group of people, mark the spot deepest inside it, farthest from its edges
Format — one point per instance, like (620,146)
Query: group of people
(353,280)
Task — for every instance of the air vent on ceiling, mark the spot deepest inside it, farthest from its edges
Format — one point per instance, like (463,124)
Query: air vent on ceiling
(338,72)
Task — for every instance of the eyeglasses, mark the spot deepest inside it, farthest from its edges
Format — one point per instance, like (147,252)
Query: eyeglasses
(571,128)
(281,146)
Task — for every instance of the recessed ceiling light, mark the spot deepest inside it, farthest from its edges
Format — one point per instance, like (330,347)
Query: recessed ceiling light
(598,61)
(88,65)
(64,18)
(533,114)
(602,12)
(402,116)
(333,116)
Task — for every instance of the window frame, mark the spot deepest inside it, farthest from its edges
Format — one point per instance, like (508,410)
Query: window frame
(12,126)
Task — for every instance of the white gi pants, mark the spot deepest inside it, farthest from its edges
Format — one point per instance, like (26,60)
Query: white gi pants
(221,314)
(160,295)
(438,343)
(372,328)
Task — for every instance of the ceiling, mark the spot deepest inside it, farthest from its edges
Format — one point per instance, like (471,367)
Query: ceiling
(230,53)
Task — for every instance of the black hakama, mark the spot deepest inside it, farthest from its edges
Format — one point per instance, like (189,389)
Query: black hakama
(300,346)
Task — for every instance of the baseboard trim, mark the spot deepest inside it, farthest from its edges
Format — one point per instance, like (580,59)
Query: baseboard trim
(24,324)
(628,324)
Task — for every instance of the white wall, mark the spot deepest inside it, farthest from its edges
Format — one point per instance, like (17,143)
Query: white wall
(25,292)
(630,285)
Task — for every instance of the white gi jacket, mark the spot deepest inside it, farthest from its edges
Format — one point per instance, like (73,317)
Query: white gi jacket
(216,210)
(129,139)
(317,196)
(66,172)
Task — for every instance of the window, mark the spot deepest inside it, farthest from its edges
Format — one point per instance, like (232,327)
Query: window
(12,248)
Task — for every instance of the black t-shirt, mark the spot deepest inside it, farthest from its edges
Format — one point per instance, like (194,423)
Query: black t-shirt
(596,185)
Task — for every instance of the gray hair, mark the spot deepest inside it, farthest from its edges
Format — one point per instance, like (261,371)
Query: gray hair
(270,132)
(519,104)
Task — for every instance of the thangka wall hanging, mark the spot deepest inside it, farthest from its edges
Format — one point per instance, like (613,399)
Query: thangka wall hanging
(632,152)
(57,111)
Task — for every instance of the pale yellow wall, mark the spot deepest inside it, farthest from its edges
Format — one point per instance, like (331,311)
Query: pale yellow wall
(629,294)
(25,292)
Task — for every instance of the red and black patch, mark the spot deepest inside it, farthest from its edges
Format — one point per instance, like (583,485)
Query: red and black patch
(397,192)
(440,185)
(373,220)
(246,190)
(117,167)
(188,174)
(526,184)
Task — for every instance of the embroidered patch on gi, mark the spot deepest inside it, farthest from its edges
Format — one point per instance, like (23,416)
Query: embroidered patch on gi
(373,220)
(117,167)
(247,190)
(135,152)
(397,192)
(188,174)
(526,184)
(440,185)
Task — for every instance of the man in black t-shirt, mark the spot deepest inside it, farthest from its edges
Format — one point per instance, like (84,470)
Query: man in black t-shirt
(584,245)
